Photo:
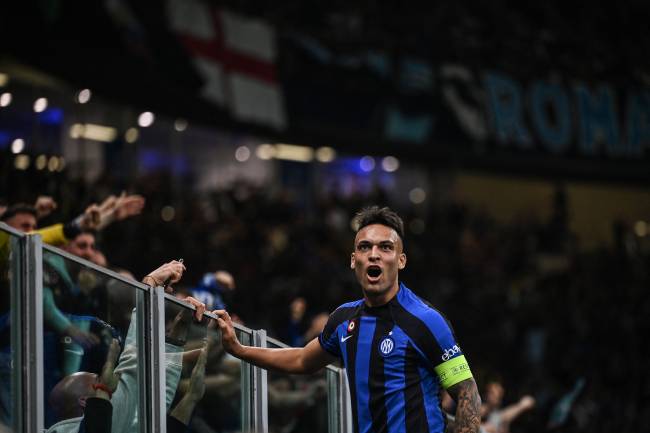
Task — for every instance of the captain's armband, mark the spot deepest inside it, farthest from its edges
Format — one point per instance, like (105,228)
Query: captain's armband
(453,371)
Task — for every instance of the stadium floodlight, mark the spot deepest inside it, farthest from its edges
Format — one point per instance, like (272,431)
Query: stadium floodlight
(390,164)
(180,125)
(292,152)
(40,105)
(417,195)
(5,99)
(41,162)
(265,151)
(325,154)
(242,153)
(18,145)
(84,96)
(367,163)
(91,131)
(146,119)
(131,135)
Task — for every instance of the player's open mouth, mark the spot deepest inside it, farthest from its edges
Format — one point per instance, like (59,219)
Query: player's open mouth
(373,272)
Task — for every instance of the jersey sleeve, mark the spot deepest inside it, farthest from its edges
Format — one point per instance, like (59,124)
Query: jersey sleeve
(448,360)
(329,339)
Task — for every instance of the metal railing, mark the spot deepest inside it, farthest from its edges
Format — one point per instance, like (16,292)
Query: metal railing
(23,257)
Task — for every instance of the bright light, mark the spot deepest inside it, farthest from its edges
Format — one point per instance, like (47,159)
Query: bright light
(417,195)
(91,131)
(41,162)
(76,130)
(5,99)
(99,133)
(390,164)
(167,213)
(325,154)
(61,164)
(53,164)
(131,135)
(18,145)
(291,152)
(242,153)
(21,162)
(146,119)
(40,105)
(265,151)
(4,79)
(180,125)
(84,96)
(641,228)
(367,163)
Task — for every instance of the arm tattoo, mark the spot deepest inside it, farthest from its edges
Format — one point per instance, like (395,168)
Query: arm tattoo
(468,406)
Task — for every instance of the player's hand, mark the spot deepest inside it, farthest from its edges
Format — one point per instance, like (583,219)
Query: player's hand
(228,337)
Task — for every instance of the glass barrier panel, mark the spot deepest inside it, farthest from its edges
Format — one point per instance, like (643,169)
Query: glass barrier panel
(204,384)
(245,401)
(333,403)
(10,282)
(297,403)
(89,322)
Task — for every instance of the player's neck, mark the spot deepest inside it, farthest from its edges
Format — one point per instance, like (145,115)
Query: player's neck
(383,298)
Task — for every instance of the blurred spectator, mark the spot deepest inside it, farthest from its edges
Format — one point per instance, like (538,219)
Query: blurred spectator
(293,335)
(70,395)
(497,419)
(514,281)
(214,289)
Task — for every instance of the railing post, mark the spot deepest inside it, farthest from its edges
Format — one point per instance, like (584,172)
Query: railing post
(333,401)
(151,352)
(344,402)
(247,395)
(260,389)
(27,336)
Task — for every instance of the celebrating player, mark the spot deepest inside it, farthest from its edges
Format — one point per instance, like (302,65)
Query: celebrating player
(397,349)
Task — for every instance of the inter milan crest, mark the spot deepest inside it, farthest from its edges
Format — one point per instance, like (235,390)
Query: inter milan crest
(351,326)
(386,346)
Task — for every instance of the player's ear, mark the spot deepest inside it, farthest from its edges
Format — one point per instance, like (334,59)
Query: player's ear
(352,261)
(402,261)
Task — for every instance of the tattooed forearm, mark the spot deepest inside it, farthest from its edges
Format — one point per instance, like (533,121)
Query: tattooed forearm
(468,406)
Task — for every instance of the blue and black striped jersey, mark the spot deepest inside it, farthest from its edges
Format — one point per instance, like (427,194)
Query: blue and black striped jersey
(397,357)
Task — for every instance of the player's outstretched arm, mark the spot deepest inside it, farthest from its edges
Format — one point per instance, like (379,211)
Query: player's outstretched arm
(468,407)
(294,360)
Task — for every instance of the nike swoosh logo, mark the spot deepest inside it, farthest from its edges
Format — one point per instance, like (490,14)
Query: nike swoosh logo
(343,339)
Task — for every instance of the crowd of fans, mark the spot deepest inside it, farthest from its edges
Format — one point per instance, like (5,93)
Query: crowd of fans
(533,311)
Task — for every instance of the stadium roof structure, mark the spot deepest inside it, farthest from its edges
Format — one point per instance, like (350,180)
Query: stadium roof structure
(371,76)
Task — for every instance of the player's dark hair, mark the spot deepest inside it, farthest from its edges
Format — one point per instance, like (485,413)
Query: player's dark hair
(16,209)
(376,215)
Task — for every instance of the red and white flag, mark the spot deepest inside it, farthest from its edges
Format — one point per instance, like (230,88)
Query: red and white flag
(235,55)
